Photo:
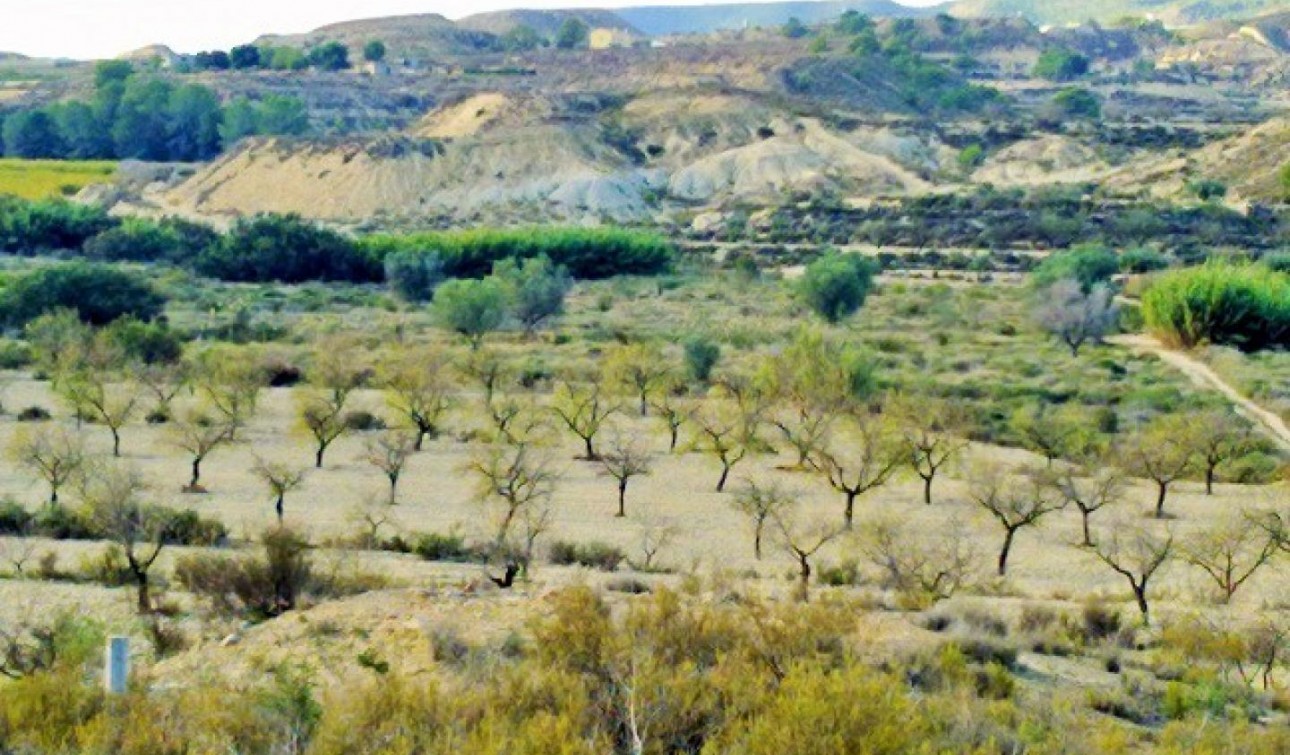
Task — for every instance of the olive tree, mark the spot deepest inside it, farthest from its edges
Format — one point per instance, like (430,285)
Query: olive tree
(836,285)
(471,308)
(535,289)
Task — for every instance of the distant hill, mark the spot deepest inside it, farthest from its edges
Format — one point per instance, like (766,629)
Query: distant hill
(662,20)
(420,36)
(1173,12)
(544,22)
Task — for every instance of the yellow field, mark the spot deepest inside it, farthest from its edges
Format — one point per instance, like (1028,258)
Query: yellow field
(41,179)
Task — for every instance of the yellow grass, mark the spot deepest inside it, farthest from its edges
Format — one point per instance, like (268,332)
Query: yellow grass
(42,179)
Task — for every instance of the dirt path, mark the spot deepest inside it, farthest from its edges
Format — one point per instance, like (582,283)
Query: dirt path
(1202,375)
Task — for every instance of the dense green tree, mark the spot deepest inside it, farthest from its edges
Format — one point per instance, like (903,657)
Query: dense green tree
(245,56)
(472,308)
(281,115)
(287,59)
(1075,102)
(521,38)
(572,33)
(194,118)
(108,72)
(795,29)
(32,134)
(142,129)
(99,294)
(286,249)
(1088,265)
(1059,64)
(241,119)
(374,51)
(854,22)
(329,56)
(836,285)
(83,134)
(535,289)
(413,275)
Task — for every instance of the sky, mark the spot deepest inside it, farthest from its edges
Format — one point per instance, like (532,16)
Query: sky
(86,29)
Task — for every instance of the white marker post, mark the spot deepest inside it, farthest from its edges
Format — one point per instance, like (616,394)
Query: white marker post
(117,665)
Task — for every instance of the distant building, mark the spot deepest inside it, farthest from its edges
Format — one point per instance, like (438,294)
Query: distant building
(604,39)
(375,68)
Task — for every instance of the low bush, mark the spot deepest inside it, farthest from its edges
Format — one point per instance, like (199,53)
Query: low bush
(600,556)
(14,518)
(1241,305)
(34,414)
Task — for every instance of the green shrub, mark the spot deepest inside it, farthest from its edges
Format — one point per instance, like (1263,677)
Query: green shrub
(97,293)
(287,249)
(1075,102)
(29,228)
(1240,305)
(14,518)
(1089,265)
(587,253)
(701,357)
(1060,64)
(413,275)
(835,286)
(1142,260)
(472,308)
(432,546)
(592,555)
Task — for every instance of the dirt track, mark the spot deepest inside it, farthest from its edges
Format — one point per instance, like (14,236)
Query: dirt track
(1201,374)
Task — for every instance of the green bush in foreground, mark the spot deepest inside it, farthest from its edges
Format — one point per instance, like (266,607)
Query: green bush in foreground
(1245,306)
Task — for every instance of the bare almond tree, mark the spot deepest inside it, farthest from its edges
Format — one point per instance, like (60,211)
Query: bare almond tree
(1230,552)
(1014,501)
(418,389)
(862,453)
(722,433)
(1089,489)
(1217,437)
(229,385)
(1161,452)
(761,503)
(200,435)
(627,458)
(389,452)
(511,477)
(929,567)
(113,496)
(111,404)
(1137,554)
(641,369)
(1076,317)
(803,540)
(164,382)
(673,410)
(56,455)
(933,430)
(584,409)
(280,479)
(336,373)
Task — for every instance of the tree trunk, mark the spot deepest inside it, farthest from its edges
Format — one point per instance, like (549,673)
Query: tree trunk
(757,540)
(1088,537)
(1140,595)
(1209,480)
(927,488)
(804,583)
(197,472)
(279,508)
(591,451)
(849,517)
(421,436)
(676,432)
(394,489)
(622,497)
(1003,552)
(644,405)
(145,601)
(53,496)
(116,443)
(725,474)
(1160,499)
(318,457)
